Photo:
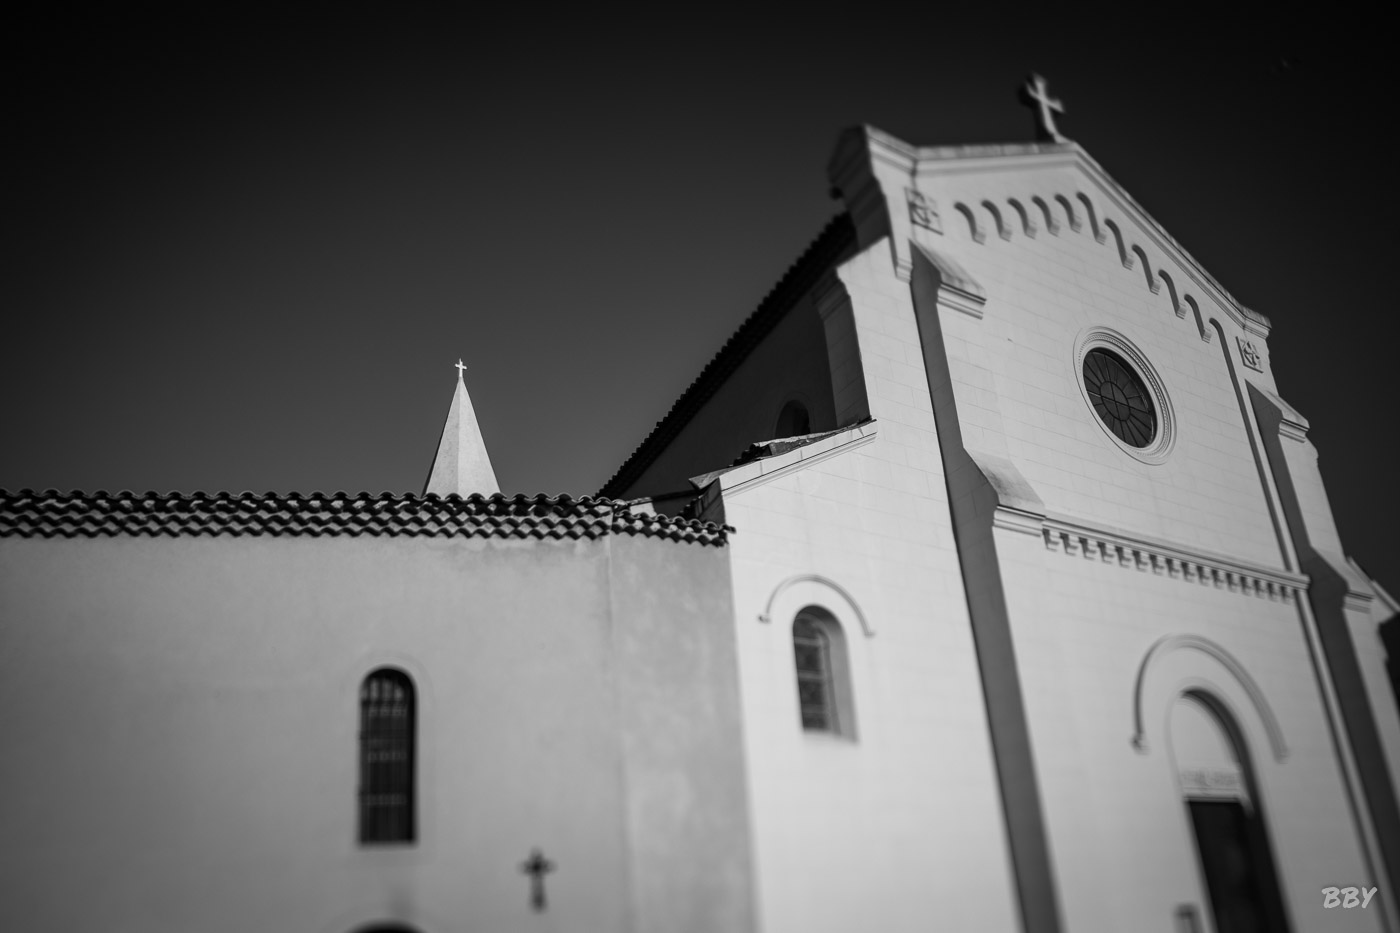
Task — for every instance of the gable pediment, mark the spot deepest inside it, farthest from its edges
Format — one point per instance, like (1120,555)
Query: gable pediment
(932,195)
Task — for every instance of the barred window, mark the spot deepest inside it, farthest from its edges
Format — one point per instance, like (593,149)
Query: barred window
(816,694)
(386,757)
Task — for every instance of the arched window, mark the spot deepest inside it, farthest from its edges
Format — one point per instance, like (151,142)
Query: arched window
(386,757)
(816,694)
(823,682)
(1226,818)
(793,420)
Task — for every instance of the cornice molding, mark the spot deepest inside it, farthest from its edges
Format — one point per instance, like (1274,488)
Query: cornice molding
(742,478)
(958,290)
(1163,558)
(1018,520)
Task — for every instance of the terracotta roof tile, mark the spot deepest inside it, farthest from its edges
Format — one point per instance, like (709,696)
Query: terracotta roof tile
(832,245)
(52,514)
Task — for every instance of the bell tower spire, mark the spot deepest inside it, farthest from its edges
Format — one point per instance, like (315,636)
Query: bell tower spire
(462,464)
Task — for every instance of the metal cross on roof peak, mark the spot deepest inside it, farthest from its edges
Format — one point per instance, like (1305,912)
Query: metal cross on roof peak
(461,368)
(1035,94)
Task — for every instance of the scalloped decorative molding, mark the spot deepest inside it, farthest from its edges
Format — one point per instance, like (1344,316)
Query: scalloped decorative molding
(1027,222)
(1051,223)
(1177,305)
(1003,229)
(1074,223)
(1131,256)
(977,233)
(866,158)
(1099,235)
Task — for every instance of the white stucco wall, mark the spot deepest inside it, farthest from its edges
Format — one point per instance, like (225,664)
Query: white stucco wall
(1020,384)
(903,824)
(902,827)
(184,715)
(1120,840)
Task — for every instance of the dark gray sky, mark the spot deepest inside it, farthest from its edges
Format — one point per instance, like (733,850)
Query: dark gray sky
(244,254)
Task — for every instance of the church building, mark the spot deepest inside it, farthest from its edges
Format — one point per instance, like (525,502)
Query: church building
(983,581)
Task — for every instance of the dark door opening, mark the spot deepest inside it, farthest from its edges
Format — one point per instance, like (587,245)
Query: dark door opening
(1239,870)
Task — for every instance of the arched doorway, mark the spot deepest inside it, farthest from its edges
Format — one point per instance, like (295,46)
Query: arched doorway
(1226,816)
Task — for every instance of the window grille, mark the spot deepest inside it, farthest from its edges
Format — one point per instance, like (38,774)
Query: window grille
(386,757)
(815,691)
(1120,398)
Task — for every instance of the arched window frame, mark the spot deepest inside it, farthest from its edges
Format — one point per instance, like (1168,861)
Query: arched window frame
(1238,787)
(387,796)
(801,418)
(821,663)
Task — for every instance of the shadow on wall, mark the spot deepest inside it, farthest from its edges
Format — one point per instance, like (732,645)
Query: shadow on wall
(1390,639)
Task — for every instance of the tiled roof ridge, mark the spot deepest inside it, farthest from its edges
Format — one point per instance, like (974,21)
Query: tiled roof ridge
(54,514)
(830,245)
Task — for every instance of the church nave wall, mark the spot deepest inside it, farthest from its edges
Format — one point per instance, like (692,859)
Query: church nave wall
(192,754)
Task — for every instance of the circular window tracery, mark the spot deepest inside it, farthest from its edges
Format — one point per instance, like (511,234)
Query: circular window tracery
(1128,398)
(1119,397)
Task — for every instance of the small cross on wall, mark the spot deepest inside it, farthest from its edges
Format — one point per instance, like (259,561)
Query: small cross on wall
(1037,96)
(537,866)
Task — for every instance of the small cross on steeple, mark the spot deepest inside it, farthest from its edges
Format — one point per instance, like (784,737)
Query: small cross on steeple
(461,368)
(1035,95)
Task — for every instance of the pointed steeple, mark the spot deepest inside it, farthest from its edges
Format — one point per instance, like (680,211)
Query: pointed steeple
(462,464)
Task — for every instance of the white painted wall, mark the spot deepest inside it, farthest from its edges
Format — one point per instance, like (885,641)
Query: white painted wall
(901,827)
(904,824)
(1120,839)
(183,718)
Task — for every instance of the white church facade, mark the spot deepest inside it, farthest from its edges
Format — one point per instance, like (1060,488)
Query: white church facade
(983,581)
